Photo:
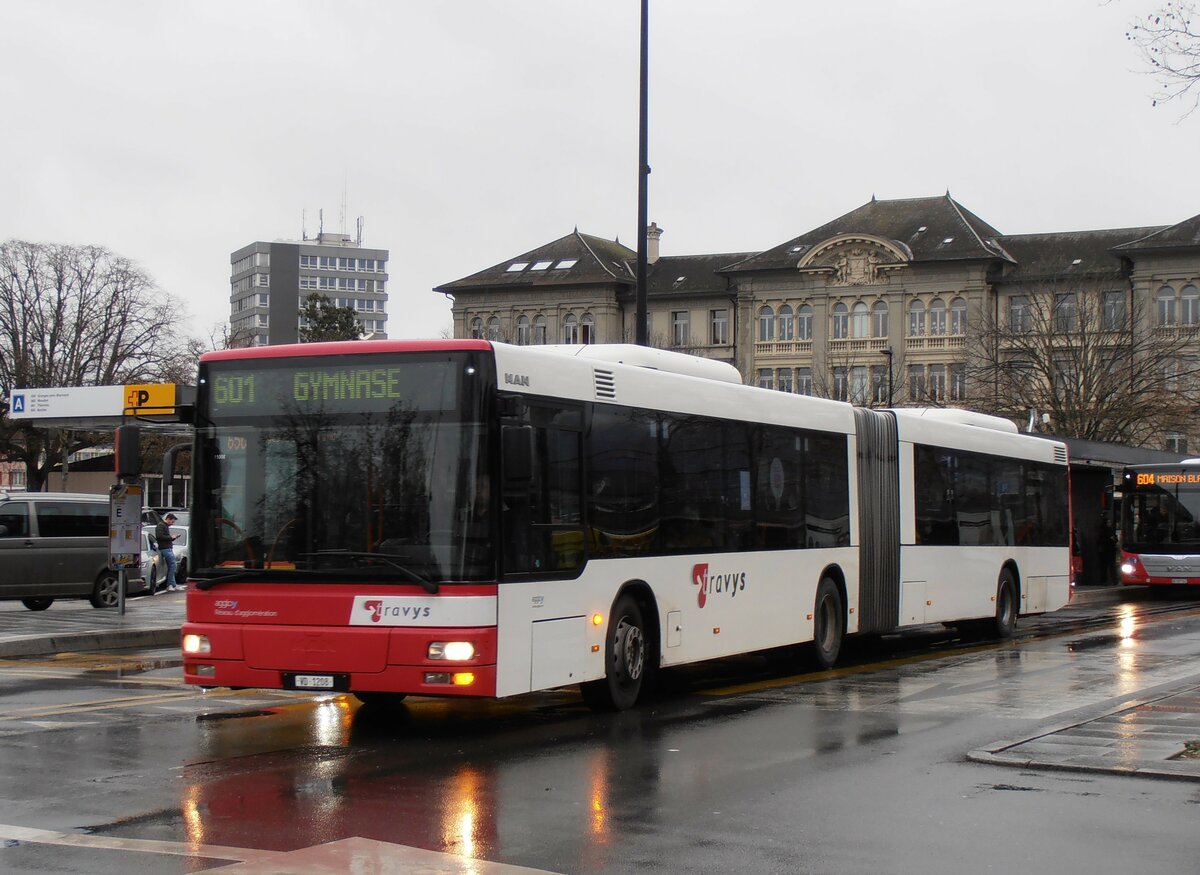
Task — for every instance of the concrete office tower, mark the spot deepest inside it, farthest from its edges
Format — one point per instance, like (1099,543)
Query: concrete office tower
(269,281)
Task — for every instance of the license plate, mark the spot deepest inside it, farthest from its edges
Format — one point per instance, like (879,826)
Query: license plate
(1179,581)
(313,681)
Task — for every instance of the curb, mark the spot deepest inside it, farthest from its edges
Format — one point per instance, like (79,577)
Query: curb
(68,642)
(996,754)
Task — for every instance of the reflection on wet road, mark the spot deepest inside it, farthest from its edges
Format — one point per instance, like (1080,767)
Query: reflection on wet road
(711,777)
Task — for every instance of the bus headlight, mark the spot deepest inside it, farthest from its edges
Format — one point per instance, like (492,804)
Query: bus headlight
(455,651)
(196,644)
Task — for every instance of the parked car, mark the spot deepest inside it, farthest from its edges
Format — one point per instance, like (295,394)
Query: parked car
(55,545)
(150,515)
(151,562)
(182,535)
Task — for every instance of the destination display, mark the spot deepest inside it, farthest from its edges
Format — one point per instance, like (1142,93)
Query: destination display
(358,385)
(1167,478)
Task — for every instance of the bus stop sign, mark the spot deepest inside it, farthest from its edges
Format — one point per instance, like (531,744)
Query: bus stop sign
(124,526)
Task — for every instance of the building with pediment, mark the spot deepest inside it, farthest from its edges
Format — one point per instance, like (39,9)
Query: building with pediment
(877,306)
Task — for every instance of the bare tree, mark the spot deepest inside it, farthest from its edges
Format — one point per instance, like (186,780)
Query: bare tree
(862,378)
(1169,41)
(1089,356)
(76,316)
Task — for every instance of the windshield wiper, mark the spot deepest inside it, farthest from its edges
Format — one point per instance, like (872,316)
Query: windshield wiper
(210,582)
(426,584)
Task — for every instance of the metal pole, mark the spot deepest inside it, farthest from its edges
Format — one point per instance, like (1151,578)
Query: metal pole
(888,352)
(642,331)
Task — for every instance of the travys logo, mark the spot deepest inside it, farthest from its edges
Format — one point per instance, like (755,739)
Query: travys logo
(731,582)
(379,609)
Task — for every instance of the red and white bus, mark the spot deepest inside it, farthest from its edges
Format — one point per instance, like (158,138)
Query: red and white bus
(1160,524)
(467,518)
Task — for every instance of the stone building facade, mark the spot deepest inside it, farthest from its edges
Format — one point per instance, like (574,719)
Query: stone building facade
(878,306)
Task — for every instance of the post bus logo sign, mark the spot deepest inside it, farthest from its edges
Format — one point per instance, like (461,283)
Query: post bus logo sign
(731,582)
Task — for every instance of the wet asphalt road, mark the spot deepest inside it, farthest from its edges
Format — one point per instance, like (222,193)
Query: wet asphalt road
(109,764)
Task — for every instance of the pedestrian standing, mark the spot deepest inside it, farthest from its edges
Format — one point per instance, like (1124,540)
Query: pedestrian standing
(164,540)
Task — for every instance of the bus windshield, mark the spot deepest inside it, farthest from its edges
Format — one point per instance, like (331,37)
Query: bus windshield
(1162,512)
(344,468)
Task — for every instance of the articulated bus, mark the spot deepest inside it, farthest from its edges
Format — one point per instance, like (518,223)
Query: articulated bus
(1160,524)
(469,518)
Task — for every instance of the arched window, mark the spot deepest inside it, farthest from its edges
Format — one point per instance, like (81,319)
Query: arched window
(477,328)
(804,317)
(916,319)
(588,334)
(539,329)
(1165,299)
(523,334)
(860,320)
(841,321)
(493,328)
(879,319)
(787,323)
(766,325)
(570,329)
(937,318)
(958,317)
(1189,305)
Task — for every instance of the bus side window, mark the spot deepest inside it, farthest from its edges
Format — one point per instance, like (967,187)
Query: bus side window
(542,506)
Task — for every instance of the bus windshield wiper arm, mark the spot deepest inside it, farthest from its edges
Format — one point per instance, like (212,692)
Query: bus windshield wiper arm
(427,585)
(210,582)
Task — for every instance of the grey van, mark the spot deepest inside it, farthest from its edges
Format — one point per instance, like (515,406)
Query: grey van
(55,545)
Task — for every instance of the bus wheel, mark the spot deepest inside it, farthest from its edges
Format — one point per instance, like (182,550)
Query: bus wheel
(829,624)
(1005,622)
(626,665)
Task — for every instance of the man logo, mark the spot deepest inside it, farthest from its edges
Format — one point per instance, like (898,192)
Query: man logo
(516,380)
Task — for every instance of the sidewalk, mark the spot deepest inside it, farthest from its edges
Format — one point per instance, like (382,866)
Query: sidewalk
(1146,734)
(74,625)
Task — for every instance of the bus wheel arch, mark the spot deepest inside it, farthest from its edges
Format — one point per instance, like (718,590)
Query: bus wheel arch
(632,652)
(829,617)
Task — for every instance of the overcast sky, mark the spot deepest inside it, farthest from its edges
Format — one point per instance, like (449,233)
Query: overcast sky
(466,132)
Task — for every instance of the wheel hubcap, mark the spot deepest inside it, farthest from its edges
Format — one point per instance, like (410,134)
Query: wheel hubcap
(629,650)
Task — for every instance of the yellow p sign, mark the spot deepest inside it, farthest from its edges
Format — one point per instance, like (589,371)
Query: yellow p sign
(150,397)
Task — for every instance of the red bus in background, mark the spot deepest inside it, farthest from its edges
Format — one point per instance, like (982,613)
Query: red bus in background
(1159,530)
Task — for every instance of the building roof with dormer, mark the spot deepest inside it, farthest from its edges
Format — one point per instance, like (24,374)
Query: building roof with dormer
(575,259)
(930,229)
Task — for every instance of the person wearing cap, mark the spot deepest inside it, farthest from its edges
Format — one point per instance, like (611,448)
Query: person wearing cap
(164,539)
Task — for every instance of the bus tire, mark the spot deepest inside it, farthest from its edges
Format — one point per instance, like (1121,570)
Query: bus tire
(829,624)
(627,665)
(1004,624)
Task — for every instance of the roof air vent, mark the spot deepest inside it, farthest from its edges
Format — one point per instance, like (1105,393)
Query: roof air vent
(1060,454)
(606,384)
